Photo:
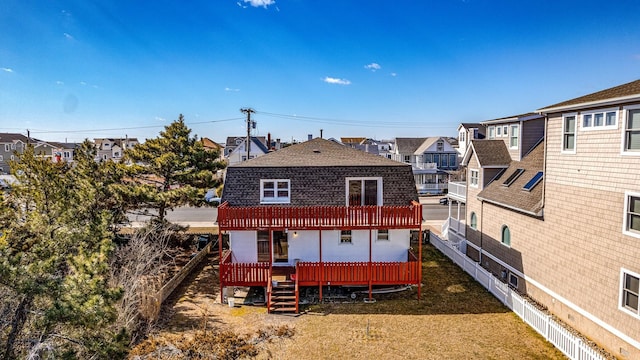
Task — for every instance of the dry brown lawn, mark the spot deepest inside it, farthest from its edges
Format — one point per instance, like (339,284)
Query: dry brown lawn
(456,318)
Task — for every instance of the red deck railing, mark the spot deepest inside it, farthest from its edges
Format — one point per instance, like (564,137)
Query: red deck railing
(243,274)
(317,217)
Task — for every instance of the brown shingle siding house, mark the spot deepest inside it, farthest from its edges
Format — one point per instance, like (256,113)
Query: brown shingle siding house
(566,231)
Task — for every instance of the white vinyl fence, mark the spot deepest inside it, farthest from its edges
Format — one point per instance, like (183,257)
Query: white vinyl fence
(572,346)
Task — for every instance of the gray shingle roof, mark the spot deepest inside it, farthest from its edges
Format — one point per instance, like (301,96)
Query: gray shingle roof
(514,196)
(11,137)
(408,145)
(628,89)
(491,152)
(318,152)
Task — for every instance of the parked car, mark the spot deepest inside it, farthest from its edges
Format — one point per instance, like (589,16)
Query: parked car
(211,197)
(444,201)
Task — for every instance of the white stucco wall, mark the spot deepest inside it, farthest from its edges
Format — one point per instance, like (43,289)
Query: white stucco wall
(244,245)
(304,245)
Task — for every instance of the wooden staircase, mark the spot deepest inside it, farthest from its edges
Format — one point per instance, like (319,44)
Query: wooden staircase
(283,292)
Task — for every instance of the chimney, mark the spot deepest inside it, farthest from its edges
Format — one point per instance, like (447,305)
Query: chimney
(277,144)
(309,136)
(320,133)
(269,141)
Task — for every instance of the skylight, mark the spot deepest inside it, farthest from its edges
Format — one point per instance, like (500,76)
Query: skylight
(513,177)
(533,182)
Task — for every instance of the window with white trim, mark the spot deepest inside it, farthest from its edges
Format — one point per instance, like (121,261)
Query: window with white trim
(407,159)
(505,130)
(632,214)
(629,292)
(513,137)
(1,158)
(275,191)
(383,235)
(600,119)
(474,221)
(506,235)
(632,129)
(492,132)
(513,280)
(345,237)
(473,178)
(7,148)
(440,146)
(569,133)
(364,191)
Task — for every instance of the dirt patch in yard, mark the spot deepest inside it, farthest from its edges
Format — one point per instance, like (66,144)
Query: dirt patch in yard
(455,318)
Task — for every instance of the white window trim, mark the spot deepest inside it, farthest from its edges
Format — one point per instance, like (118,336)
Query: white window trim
(350,242)
(7,147)
(517,137)
(627,195)
(505,133)
(275,199)
(378,195)
(477,184)
(502,236)
(511,277)
(622,118)
(491,132)
(1,158)
(624,271)
(604,112)
(471,216)
(575,134)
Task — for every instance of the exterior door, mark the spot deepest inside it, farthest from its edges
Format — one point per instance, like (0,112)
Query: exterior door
(280,247)
(263,246)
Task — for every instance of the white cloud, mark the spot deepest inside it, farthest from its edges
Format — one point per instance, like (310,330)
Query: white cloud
(83,83)
(159,118)
(373,67)
(230,89)
(69,36)
(240,4)
(393,74)
(59,82)
(258,3)
(9,70)
(338,81)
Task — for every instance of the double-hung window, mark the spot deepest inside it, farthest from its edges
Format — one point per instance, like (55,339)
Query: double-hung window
(473,178)
(513,137)
(383,235)
(632,214)
(631,142)
(345,237)
(600,119)
(569,133)
(275,191)
(630,290)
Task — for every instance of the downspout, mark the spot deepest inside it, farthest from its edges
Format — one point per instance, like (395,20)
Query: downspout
(419,252)
(221,265)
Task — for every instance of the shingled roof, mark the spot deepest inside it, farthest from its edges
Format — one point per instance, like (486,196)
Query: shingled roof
(12,137)
(620,91)
(490,153)
(408,145)
(514,196)
(318,152)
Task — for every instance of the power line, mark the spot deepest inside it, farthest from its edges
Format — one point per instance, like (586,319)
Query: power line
(124,128)
(387,124)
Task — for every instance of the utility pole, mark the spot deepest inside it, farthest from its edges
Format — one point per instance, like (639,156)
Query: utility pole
(248,111)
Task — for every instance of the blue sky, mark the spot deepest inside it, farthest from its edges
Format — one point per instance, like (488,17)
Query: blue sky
(71,70)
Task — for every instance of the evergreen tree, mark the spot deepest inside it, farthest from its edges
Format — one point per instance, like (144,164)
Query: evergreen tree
(171,170)
(54,260)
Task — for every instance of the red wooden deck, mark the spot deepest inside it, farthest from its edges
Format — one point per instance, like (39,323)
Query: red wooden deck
(319,217)
(322,273)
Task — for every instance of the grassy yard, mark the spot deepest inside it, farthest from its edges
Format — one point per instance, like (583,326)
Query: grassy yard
(455,319)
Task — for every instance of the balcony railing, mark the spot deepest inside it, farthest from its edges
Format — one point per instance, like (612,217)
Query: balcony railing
(315,273)
(319,217)
(458,190)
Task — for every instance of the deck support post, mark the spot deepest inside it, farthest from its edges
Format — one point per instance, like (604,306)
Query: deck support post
(220,266)
(321,263)
(420,256)
(370,272)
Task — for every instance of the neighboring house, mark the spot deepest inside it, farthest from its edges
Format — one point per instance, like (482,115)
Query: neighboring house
(431,158)
(468,132)
(113,149)
(239,152)
(368,145)
(213,146)
(234,141)
(9,144)
(561,223)
(319,214)
(64,152)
